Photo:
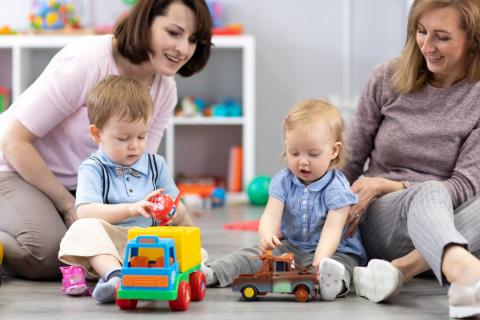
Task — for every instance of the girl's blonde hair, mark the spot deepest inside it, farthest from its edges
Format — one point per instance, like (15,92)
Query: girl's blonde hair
(410,69)
(118,96)
(307,113)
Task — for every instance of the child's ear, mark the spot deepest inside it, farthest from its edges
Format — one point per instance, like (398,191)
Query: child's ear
(94,133)
(336,149)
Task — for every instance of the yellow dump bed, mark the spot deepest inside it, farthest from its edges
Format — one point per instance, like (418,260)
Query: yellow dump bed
(187,242)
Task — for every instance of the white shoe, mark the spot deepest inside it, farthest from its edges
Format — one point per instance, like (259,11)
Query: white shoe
(331,275)
(464,301)
(378,281)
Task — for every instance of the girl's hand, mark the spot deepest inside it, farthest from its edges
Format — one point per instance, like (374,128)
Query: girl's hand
(269,242)
(140,208)
(316,264)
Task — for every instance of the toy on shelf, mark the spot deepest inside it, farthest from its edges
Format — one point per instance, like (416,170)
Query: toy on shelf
(194,106)
(4,98)
(6,30)
(202,192)
(48,15)
(218,26)
(164,207)
(258,190)
(73,281)
(278,274)
(161,263)
(190,107)
(227,108)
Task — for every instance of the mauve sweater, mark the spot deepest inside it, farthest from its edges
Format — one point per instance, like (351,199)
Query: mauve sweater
(430,134)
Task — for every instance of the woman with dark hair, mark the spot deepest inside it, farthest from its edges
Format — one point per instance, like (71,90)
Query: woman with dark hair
(418,126)
(44,134)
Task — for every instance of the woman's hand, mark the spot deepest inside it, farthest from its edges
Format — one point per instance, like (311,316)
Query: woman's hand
(368,189)
(69,217)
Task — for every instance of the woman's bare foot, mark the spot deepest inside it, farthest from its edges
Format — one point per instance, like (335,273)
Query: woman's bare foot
(411,265)
(459,266)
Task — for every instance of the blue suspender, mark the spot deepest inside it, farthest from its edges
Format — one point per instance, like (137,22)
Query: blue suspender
(105,178)
(154,170)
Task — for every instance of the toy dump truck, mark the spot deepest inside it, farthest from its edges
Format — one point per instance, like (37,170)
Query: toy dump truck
(162,263)
(278,274)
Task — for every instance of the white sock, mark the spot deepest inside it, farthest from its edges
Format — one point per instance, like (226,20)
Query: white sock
(210,276)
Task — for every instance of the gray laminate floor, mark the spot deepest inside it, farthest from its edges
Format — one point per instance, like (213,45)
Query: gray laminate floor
(420,299)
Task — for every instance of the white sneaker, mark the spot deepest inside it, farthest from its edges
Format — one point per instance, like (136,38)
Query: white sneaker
(331,275)
(378,281)
(464,301)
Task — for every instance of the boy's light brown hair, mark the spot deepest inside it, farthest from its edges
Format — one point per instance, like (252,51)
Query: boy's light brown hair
(307,113)
(121,97)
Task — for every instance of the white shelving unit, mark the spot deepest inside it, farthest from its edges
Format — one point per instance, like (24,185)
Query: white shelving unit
(192,146)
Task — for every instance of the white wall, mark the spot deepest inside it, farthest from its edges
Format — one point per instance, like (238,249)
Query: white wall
(303,48)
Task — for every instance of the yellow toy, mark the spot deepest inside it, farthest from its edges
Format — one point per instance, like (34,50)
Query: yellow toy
(162,263)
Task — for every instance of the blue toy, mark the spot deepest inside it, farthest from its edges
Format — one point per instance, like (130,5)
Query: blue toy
(218,197)
(227,108)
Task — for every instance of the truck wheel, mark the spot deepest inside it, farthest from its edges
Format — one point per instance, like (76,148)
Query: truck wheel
(302,293)
(198,285)
(183,298)
(125,304)
(249,292)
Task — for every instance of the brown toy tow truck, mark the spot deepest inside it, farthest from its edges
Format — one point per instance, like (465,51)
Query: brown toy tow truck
(278,274)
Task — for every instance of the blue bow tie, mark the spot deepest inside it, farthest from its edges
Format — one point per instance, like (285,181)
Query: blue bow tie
(121,170)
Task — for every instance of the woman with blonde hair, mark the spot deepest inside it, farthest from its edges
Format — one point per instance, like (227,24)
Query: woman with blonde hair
(418,126)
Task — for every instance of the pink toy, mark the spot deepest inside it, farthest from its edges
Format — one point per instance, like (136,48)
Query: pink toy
(164,207)
(73,282)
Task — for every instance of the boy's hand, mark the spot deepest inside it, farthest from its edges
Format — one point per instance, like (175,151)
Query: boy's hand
(140,208)
(153,194)
(269,242)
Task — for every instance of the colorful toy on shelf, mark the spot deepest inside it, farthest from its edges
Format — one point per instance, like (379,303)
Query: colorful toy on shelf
(73,281)
(190,106)
(164,207)
(4,98)
(219,27)
(194,106)
(227,108)
(53,15)
(6,30)
(278,274)
(258,190)
(203,192)
(232,29)
(162,263)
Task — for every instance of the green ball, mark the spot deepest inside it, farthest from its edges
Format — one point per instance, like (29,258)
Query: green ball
(258,190)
